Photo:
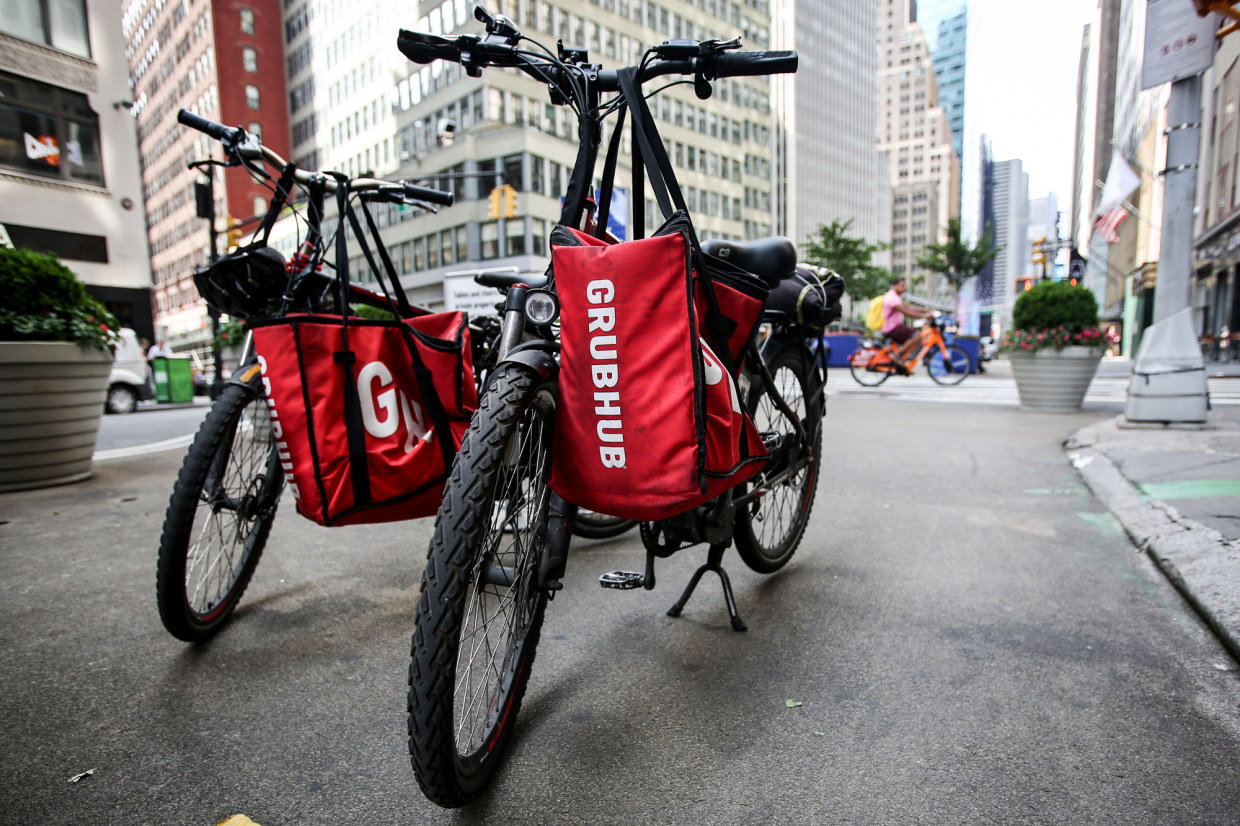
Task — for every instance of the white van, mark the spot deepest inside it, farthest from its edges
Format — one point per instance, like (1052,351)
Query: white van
(131,376)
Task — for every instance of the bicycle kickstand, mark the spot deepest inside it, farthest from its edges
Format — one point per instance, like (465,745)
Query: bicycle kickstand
(713,560)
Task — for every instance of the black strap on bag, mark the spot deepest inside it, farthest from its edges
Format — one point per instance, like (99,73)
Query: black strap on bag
(397,295)
(667,191)
(355,432)
(609,177)
(426,383)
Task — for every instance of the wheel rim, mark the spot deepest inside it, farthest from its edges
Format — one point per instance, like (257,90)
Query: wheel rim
(502,602)
(863,368)
(121,401)
(949,370)
(774,516)
(228,515)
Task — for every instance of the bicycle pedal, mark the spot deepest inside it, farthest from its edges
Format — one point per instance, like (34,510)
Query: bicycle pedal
(621,580)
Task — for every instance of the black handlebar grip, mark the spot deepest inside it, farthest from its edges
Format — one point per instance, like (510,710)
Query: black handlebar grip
(748,64)
(425,48)
(434,196)
(216,130)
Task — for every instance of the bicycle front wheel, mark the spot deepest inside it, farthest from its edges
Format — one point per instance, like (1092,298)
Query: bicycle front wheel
(951,367)
(869,366)
(219,515)
(769,527)
(480,614)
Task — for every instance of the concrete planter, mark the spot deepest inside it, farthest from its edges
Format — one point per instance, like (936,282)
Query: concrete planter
(1054,381)
(51,401)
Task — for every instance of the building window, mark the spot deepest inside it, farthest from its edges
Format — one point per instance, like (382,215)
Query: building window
(249,59)
(48,131)
(58,23)
(489,232)
(251,95)
(247,21)
(71,245)
(513,172)
(256,129)
(514,237)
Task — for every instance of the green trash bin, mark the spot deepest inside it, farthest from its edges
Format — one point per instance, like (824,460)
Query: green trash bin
(174,379)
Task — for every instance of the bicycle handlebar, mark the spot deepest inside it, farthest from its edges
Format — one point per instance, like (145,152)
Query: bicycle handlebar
(219,131)
(475,53)
(752,64)
(236,139)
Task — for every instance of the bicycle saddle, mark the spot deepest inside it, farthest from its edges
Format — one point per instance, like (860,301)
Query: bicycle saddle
(505,280)
(772,259)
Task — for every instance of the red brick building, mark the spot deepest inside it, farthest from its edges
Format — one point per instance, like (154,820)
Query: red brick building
(224,60)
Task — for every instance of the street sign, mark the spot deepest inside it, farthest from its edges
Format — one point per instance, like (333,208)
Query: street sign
(1178,43)
(461,292)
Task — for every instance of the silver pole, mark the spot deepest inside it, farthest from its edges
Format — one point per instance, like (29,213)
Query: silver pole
(1175,265)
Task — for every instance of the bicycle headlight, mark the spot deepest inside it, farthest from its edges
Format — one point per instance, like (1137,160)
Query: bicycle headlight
(541,307)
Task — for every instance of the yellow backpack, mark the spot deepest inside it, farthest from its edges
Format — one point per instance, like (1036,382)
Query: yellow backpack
(874,318)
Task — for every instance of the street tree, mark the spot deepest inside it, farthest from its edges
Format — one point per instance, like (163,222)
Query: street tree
(852,257)
(955,258)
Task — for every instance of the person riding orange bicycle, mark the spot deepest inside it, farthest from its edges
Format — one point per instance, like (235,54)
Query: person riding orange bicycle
(894,311)
(873,363)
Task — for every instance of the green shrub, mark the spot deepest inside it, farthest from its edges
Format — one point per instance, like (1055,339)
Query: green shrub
(367,311)
(1053,304)
(1053,315)
(42,300)
(232,333)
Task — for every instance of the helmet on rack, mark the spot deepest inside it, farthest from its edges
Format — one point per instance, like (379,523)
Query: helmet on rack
(247,283)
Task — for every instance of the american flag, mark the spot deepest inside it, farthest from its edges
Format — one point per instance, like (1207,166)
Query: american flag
(1108,223)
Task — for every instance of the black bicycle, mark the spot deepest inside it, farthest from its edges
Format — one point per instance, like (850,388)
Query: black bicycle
(229,486)
(502,536)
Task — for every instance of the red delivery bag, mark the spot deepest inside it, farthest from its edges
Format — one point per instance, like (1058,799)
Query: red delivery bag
(367,414)
(652,331)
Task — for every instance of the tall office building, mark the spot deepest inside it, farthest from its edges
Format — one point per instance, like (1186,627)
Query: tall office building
(1009,196)
(834,170)
(69,177)
(1095,107)
(914,133)
(357,104)
(945,25)
(223,60)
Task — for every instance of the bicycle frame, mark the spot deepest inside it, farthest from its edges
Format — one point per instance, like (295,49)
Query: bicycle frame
(927,340)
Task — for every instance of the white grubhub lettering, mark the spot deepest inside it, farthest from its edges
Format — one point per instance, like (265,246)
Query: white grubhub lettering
(605,373)
(277,432)
(714,373)
(385,406)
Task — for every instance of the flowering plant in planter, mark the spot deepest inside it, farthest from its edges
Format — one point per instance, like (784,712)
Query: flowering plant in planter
(232,334)
(1052,316)
(42,300)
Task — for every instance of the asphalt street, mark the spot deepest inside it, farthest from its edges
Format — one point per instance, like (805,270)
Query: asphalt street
(965,636)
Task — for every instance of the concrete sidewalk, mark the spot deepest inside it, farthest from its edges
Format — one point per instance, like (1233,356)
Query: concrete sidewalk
(1176,492)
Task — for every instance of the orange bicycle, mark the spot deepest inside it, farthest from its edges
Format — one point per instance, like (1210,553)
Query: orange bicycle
(873,363)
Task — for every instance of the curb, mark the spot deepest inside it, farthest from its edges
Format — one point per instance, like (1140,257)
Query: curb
(1202,565)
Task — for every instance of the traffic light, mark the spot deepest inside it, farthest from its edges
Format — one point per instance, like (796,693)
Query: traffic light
(1039,253)
(233,234)
(510,201)
(502,202)
(1024,284)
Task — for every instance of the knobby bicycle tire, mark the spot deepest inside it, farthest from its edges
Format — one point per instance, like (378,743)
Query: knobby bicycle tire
(479,616)
(219,515)
(769,528)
